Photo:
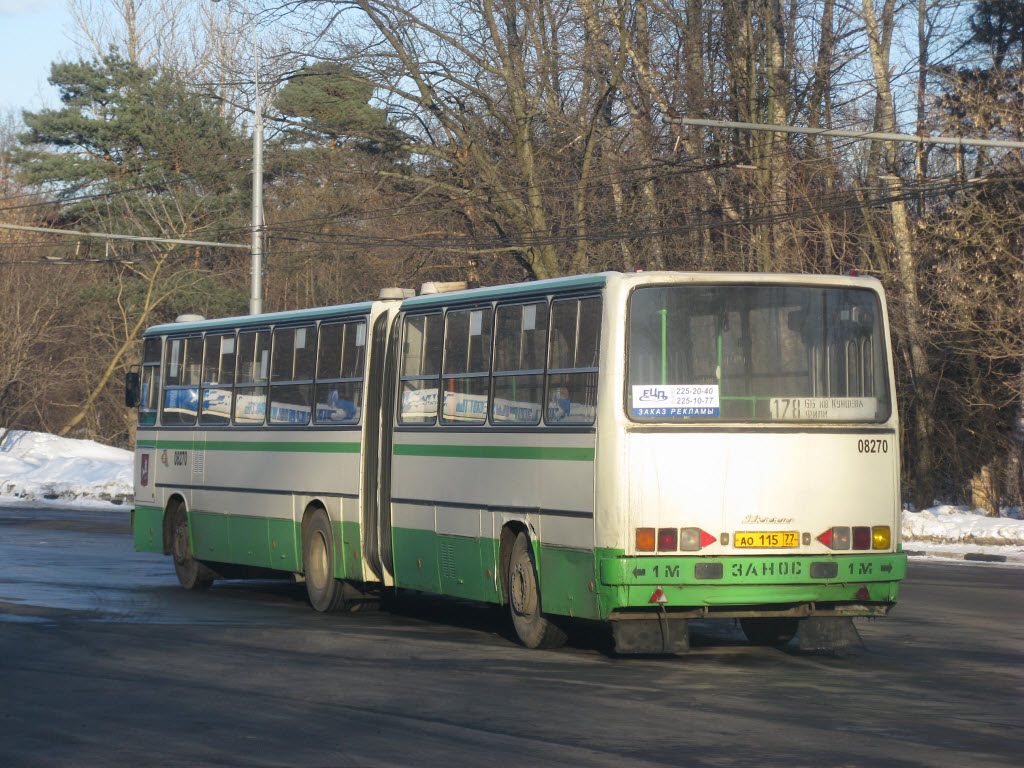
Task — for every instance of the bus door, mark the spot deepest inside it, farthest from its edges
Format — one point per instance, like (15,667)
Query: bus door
(180,464)
(376,528)
(149,406)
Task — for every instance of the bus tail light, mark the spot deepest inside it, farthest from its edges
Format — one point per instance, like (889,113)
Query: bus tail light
(881,537)
(693,539)
(644,539)
(862,537)
(672,539)
(668,539)
(837,537)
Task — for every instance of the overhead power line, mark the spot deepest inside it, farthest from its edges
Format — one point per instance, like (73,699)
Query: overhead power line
(865,135)
(134,238)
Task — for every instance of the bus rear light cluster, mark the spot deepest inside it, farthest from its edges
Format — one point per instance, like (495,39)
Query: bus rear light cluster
(672,539)
(860,537)
(668,539)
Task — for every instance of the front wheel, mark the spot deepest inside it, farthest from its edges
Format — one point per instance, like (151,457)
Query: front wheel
(325,592)
(192,574)
(532,627)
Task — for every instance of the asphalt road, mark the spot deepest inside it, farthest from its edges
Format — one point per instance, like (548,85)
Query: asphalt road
(104,661)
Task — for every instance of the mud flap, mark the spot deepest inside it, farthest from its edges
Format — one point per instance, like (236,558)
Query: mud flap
(655,635)
(828,633)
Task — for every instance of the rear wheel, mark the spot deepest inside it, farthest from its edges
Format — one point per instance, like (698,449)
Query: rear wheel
(192,574)
(532,627)
(326,593)
(776,631)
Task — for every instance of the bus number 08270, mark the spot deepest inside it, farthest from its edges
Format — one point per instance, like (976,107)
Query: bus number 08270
(872,446)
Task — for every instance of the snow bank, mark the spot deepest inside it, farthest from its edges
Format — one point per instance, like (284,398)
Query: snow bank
(36,466)
(959,525)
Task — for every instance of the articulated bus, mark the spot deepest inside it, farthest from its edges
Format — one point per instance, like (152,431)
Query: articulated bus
(638,449)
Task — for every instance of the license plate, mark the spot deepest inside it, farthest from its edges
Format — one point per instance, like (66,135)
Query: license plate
(767,539)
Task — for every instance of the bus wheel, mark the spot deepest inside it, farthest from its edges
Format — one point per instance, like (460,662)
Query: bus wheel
(192,574)
(533,629)
(325,592)
(776,631)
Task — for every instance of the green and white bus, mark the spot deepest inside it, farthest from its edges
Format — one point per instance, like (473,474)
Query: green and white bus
(641,449)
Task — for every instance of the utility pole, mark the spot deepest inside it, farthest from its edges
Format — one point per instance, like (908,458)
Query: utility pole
(256,280)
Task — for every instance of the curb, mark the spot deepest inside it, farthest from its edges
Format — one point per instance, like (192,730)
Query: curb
(974,556)
(985,558)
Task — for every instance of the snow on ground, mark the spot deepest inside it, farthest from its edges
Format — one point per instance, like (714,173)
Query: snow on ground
(36,467)
(961,533)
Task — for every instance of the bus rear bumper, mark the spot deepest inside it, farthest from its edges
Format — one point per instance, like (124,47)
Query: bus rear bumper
(736,587)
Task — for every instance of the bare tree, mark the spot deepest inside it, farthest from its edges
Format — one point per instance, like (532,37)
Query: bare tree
(505,104)
(904,258)
(120,336)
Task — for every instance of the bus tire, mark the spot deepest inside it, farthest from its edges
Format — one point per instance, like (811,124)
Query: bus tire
(532,627)
(775,631)
(192,574)
(325,592)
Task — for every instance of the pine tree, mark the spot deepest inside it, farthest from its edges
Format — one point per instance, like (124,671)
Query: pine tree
(329,102)
(132,149)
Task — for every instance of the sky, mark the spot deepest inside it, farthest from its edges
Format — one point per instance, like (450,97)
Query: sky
(33,34)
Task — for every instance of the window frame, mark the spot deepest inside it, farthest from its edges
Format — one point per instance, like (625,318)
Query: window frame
(251,382)
(151,382)
(354,321)
(186,339)
(543,304)
(594,370)
(228,386)
(470,377)
(292,383)
(404,318)
(820,363)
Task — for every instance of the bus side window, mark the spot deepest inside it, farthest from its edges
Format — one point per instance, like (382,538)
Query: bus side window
(293,361)
(520,343)
(339,373)
(421,365)
(150,402)
(253,363)
(218,377)
(182,367)
(572,361)
(467,365)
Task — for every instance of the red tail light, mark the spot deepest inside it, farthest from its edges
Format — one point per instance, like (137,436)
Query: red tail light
(668,539)
(862,537)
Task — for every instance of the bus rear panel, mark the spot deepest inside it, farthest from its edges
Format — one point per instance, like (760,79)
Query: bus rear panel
(758,453)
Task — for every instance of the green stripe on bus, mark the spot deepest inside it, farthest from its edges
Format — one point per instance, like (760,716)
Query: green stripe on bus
(495,452)
(262,445)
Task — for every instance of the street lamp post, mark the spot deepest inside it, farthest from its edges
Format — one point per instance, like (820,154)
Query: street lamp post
(256,291)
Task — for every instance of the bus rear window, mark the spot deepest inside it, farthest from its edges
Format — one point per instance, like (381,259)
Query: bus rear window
(756,353)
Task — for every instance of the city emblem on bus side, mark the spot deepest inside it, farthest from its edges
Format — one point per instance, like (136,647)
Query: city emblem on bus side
(144,469)
(653,395)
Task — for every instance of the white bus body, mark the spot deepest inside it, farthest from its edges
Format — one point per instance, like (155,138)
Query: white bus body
(636,448)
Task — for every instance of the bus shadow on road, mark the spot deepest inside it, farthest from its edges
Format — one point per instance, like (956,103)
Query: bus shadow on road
(413,614)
